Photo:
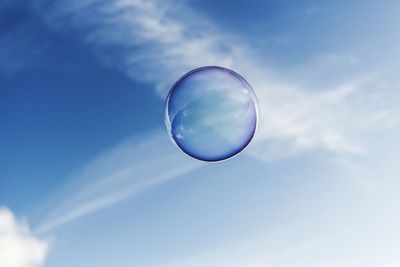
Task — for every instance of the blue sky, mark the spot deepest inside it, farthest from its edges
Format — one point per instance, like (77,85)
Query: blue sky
(88,176)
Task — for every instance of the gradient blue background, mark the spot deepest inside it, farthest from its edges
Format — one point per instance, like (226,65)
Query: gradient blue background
(77,101)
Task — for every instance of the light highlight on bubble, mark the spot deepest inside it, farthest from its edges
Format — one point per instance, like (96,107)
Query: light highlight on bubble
(211,113)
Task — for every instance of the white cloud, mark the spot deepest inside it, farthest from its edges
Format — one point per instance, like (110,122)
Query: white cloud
(18,246)
(157,41)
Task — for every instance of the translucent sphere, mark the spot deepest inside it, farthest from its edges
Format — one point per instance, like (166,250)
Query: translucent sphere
(211,113)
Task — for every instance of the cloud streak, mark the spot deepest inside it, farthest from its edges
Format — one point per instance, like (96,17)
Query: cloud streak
(156,42)
(119,174)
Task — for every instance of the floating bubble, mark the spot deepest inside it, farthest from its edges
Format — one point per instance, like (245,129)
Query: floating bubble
(211,113)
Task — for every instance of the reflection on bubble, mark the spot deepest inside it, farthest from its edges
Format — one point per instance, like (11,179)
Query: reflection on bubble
(211,113)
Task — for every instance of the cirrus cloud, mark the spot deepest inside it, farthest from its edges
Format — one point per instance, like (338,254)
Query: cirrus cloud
(157,41)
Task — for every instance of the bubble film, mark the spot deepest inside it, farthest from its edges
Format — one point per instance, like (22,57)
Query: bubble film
(211,113)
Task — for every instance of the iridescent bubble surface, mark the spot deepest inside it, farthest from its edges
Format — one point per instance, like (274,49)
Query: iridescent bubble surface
(211,113)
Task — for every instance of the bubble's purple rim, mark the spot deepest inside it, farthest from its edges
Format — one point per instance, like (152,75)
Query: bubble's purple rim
(226,156)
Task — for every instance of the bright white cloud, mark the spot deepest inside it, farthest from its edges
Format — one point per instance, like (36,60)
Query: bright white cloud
(18,246)
(157,41)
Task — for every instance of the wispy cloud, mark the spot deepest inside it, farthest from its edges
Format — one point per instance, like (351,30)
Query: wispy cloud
(18,246)
(123,172)
(157,41)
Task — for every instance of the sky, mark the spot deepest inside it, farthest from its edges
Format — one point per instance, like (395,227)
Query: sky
(89,177)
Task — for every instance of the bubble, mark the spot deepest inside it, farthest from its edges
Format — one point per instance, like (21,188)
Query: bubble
(211,113)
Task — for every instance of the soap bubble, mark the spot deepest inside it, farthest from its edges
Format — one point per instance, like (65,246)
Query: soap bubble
(211,113)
